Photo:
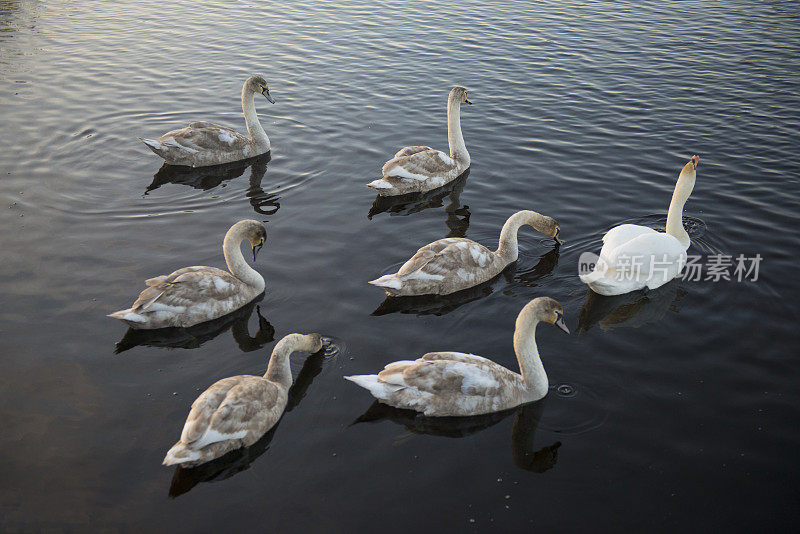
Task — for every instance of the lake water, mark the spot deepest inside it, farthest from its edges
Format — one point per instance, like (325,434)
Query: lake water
(677,410)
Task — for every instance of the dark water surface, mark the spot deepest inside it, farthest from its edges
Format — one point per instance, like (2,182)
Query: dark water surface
(679,409)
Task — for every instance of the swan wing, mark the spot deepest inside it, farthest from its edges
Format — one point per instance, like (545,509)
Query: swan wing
(418,166)
(206,124)
(407,151)
(447,256)
(246,405)
(172,276)
(624,233)
(204,136)
(444,376)
(644,255)
(229,410)
(185,287)
(204,406)
(458,357)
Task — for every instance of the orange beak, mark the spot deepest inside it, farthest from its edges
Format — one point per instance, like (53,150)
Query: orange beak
(696,160)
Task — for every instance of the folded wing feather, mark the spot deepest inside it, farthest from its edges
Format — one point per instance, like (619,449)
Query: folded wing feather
(203,409)
(204,136)
(228,411)
(418,165)
(407,151)
(442,376)
(447,256)
(184,286)
(644,254)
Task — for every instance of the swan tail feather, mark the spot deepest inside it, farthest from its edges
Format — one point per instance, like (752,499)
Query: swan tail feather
(380,185)
(391,283)
(152,144)
(128,316)
(378,388)
(180,454)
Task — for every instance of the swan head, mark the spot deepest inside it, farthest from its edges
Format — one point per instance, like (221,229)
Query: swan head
(255,233)
(257,84)
(543,224)
(459,94)
(543,309)
(555,236)
(310,343)
(687,177)
(690,167)
(314,343)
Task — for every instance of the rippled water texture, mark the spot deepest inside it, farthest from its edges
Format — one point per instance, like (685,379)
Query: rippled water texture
(675,410)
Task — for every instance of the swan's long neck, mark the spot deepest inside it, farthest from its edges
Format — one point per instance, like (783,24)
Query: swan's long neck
(508,247)
(458,150)
(675,214)
(231,248)
(533,373)
(279,369)
(257,133)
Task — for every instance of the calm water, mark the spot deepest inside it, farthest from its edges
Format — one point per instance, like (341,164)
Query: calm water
(678,410)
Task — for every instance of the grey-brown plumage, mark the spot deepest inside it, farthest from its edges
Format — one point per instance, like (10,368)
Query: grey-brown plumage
(415,169)
(443,384)
(452,264)
(204,143)
(192,295)
(235,412)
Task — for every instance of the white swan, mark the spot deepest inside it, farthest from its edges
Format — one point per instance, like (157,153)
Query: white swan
(443,384)
(196,294)
(455,263)
(634,257)
(204,143)
(420,168)
(235,412)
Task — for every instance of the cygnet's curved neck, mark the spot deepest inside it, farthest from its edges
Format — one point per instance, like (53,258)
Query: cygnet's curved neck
(675,214)
(279,369)
(458,150)
(530,364)
(257,133)
(231,248)
(508,247)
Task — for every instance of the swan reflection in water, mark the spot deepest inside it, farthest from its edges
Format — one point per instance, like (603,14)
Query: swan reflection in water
(631,309)
(523,432)
(444,304)
(457,215)
(194,336)
(239,460)
(206,178)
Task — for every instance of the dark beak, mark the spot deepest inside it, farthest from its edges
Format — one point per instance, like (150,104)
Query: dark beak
(467,101)
(561,325)
(257,248)
(266,94)
(558,241)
